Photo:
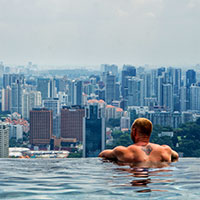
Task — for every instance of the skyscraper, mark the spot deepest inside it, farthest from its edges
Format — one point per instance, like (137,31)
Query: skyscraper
(78,92)
(6,99)
(30,100)
(110,87)
(110,68)
(43,85)
(75,92)
(168,96)
(72,122)
(41,126)
(135,92)
(8,79)
(195,97)
(190,77)
(16,97)
(4,140)
(93,130)
(127,72)
(54,105)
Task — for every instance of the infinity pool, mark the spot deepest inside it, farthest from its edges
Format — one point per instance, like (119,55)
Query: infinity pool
(90,178)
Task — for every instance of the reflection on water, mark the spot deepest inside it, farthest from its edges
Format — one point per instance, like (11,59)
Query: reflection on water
(143,177)
(94,179)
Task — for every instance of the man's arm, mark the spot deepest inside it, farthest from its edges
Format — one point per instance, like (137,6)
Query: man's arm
(119,153)
(174,156)
(108,154)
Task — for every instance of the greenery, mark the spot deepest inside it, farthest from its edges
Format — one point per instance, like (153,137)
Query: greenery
(186,138)
(111,123)
(78,154)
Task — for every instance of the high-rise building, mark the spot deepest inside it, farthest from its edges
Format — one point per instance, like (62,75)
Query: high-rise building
(43,85)
(4,140)
(16,131)
(9,79)
(60,84)
(16,97)
(72,122)
(160,90)
(75,92)
(183,99)
(147,85)
(168,96)
(190,77)
(125,123)
(78,92)
(160,71)
(6,99)
(154,83)
(54,105)
(135,92)
(127,72)
(30,100)
(41,126)
(53,89)
(195,97)
(110,87)
(110,68)
(117,91)
(93,130)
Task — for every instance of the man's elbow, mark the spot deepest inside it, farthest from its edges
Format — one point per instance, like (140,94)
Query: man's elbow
(175,156)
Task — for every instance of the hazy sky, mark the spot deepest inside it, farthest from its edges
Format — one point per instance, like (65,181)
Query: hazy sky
(78,32)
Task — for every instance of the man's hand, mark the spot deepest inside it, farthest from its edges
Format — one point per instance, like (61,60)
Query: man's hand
(120,153)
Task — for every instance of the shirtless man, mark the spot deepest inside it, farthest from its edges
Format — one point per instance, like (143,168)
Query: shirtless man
(142,151)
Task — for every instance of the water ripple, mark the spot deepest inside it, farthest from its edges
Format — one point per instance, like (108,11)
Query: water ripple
(93,179)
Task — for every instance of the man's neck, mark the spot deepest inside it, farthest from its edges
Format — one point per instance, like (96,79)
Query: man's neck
(142,142)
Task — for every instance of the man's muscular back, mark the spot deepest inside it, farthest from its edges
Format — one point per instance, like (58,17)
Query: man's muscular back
(142,151)
(135,153)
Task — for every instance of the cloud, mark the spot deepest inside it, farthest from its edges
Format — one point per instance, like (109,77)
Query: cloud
(99,31)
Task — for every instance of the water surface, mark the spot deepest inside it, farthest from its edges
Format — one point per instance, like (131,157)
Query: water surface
(90,178)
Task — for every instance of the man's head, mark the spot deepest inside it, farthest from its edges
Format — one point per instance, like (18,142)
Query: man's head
(141,127)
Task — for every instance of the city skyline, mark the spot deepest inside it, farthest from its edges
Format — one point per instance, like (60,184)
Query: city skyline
(87,33)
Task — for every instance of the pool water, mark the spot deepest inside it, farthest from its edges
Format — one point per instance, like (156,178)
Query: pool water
(90,178)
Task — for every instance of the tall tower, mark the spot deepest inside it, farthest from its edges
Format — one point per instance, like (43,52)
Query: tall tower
(78,92)
(93,130)
(135,92)
(72,122)
(127,72)
(54,105)
(6,99)
(75,92)
(43,85)
(4,140)
(8,79)
(41,126)
(190,77)
(194,97)
(168,96)
(16,97)
(110,87)
(110,68)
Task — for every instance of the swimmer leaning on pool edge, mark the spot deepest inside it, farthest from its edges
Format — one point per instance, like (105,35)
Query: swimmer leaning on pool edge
(142,150)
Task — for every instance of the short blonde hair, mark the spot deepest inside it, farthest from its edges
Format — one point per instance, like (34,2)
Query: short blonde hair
(144,125)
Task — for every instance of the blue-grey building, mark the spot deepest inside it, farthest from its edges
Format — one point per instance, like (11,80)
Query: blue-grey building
(93,131)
